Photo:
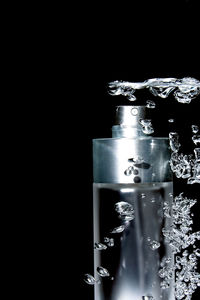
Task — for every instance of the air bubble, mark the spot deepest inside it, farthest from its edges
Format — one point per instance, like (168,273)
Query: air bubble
(103,272)
(150,104)
(89,279)
(154,245)
(118,229)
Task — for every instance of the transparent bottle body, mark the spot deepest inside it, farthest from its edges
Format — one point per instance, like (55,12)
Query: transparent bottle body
(131,261)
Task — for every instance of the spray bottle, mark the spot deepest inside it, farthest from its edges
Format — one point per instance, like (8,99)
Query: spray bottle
(132,183)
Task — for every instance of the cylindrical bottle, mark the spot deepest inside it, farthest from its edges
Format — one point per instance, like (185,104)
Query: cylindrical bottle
(132,181)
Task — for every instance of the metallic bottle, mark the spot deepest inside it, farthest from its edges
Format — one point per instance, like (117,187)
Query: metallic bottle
(132,180)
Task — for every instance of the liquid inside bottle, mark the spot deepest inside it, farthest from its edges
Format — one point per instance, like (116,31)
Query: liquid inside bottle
(134,261)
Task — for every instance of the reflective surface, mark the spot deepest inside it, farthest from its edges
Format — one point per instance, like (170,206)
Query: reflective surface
(133,260)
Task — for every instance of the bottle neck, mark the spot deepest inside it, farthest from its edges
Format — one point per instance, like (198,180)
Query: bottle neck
(126,131)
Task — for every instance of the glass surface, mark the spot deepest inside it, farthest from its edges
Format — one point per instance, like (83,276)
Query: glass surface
(126,268)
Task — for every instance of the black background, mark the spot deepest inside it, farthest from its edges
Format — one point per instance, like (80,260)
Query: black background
(131,43)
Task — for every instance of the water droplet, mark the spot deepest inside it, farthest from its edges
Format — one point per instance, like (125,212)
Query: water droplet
(127,217)
(171,195)
(174,141)
(153,200)
(128,171)
(143,195)
(89,279)
(147,298)
(164,284)
(137,179)
(196,139)
(124,208)
(197,252)
(150,104)
(146,126)
(118,229)
(197,154)
(171,120)
(103,272)
(195,128)
(109,241)
(100,246)
(136,160)
(135,172)
(154,245)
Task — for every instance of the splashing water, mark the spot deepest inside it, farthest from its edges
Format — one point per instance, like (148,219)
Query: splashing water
(184,166)
(184,90)
(180,237)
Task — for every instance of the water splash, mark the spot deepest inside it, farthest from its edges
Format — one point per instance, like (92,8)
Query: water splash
(185,166)
(180,237)
(184,90)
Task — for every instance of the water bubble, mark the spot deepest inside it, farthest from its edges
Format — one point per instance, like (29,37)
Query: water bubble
(137,179)
(135,172)
(124,208)
(196,139)
(136,160)
(154,245)
(150,104)
(118,229)
(197,252)
(146,126)
(103,272)
(100,246)
(197,154)
(109,241)
(195,128)
(127,217)
(174,141)
(164,284)
(143,195)
(147,298)
(128,171)
(89,279)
